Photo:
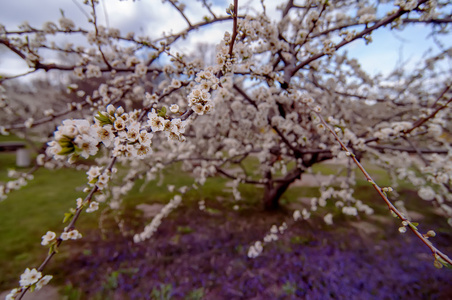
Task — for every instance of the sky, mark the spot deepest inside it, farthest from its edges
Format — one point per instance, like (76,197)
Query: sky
(151,17)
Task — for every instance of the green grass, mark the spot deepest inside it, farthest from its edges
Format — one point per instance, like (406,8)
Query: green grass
(215,189)
(30,212)
(7,161)
(10,138)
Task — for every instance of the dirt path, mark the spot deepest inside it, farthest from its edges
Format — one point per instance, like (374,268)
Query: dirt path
(46,293)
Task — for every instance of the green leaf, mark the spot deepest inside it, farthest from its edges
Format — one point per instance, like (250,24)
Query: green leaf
(65,144)
(413,225)
(66,151)
(342,128)
(67,216)
(65,138)
(184,229)
(443,262)
(162,112)
(103,119)
(213,211)
(53,248)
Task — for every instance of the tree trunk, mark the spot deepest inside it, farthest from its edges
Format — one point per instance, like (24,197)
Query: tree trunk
(274,190)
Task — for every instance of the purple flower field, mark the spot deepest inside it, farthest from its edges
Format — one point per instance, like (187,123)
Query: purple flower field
(196,255)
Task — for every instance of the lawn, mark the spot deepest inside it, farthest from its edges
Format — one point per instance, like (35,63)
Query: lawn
(30,212)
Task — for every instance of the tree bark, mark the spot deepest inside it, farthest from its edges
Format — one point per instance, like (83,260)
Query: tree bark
(274,189)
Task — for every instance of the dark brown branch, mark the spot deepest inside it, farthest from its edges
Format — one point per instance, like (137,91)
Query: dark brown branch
(429,21)
(423,120)
(12,48)
(244,180)
(446,89)
(287,8)
(245,95)
(296,151)
(234,27)
(4,78)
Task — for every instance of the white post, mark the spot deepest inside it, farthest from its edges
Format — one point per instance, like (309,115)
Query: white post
(23,157)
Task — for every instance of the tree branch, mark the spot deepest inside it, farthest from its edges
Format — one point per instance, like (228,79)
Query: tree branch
(234,27)
(435,252)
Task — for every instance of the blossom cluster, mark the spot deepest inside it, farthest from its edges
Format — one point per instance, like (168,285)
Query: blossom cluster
(74,138)
(173,129)
(152,227)
(98,177)
(29,278)
(406,4)
(12,185)
(124,132)
(72,234)
(256,249)
(343,199)
(396,129)
(303,215)
(115,129)
(200,98)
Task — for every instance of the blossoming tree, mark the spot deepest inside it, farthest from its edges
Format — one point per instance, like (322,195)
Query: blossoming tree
(282,91)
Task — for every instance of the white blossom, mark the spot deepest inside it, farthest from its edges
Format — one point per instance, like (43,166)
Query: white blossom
(174,108)
(328,218)
(93,206)
(48,238)
(426,193)
(29,277)
(255,250)
(43,281)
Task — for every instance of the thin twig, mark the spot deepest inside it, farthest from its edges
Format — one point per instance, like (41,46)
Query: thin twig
(97,36)
(435,252)
(181,12)
(206,5)
(69,227)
